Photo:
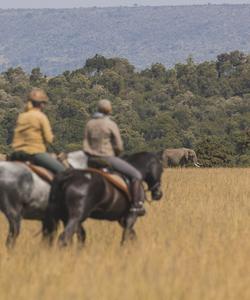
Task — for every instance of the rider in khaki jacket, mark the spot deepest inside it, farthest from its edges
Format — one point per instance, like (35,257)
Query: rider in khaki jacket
(102,139)
(33,133)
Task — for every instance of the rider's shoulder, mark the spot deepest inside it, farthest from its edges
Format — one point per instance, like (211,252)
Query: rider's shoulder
(37,114)
(111,121)
(108,121)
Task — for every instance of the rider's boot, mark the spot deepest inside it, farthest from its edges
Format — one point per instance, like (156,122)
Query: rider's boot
(138,196)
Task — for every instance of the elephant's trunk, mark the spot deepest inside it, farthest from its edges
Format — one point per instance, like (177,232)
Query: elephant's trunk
(195,161)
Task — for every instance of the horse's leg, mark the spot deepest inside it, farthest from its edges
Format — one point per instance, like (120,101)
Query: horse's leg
(132,234)
(128,234)
(14,229)
(12,209)
(66,237)
(81,235)
(78,207)
(49,229)
(128,231)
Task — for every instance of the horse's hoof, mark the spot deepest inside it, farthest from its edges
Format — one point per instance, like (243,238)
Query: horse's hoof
(61,242)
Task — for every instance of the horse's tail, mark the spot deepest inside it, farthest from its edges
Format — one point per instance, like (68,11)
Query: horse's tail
(61,180)
(50,220)
(53,210)
(56,209)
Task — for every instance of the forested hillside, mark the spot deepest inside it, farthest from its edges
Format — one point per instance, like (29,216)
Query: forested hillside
(58,40)
(203,106)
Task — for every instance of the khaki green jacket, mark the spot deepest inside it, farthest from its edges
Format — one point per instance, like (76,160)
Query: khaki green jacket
(102,137)
(32,132)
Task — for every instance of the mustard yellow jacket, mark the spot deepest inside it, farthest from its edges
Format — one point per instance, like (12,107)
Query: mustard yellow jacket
(32,132)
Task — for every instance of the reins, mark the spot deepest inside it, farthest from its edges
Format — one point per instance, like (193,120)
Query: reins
(153,187)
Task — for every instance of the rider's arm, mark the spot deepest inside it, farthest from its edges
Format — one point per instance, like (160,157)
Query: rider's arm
(117,142)
(46,130)
(86,139)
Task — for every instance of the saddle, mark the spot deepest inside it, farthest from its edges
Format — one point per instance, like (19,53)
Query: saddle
(115,179)
(24,158)
(102,167)
(43,173)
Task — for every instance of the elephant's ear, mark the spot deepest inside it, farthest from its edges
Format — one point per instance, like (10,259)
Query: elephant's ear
(191,153)
(186,154)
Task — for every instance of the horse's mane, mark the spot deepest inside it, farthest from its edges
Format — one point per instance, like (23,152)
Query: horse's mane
(142,154)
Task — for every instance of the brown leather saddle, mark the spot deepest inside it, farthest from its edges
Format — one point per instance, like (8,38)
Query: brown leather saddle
(100,166)
(43,173)
(115,179)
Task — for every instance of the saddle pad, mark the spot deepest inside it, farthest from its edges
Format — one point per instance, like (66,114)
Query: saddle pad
(114,179)
(41,172)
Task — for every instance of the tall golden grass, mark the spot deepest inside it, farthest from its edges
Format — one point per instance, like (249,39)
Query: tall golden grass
(194,244)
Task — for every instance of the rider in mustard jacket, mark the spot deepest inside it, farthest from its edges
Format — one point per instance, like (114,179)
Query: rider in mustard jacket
(33,133)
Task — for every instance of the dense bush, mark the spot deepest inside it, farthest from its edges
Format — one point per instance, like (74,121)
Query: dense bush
(203,106)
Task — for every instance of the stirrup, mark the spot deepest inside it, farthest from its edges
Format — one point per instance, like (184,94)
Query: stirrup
(138,210)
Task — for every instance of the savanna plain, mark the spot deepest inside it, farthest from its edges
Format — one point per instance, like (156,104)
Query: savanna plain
(193,244)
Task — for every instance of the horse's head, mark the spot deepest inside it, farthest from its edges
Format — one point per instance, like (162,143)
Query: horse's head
(153,179)
(156,191)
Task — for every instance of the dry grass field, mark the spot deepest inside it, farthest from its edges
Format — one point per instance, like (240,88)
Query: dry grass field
(194,244)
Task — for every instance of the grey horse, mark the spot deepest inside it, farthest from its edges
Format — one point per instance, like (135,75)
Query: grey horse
(179,157)
(24,194)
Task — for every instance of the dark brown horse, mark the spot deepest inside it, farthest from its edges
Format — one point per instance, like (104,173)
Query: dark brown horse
(77,195)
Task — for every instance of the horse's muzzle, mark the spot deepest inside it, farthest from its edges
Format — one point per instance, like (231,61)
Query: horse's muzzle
(157,195)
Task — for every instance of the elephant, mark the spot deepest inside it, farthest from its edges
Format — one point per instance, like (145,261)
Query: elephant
(179,157)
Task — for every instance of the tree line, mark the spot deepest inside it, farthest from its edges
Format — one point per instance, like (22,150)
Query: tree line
(204,106)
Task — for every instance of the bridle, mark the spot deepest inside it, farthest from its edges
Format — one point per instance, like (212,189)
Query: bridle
(154,187)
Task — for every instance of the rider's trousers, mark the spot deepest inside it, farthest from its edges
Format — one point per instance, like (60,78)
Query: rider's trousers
(123,167)
(48,162)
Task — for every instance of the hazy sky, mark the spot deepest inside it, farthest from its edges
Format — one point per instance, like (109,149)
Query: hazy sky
(86,3)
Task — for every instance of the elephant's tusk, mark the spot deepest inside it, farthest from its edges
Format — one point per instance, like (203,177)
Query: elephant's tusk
(197,165)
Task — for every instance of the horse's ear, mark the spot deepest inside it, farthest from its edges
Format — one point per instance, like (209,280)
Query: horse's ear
(159,155)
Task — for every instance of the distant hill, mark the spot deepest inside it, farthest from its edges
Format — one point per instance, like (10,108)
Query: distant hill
(61,39)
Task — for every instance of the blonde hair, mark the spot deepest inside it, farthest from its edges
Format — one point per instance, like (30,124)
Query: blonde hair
(104,106)
(38,95)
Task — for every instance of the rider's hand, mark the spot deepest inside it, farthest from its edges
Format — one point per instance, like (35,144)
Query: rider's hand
(62,156)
